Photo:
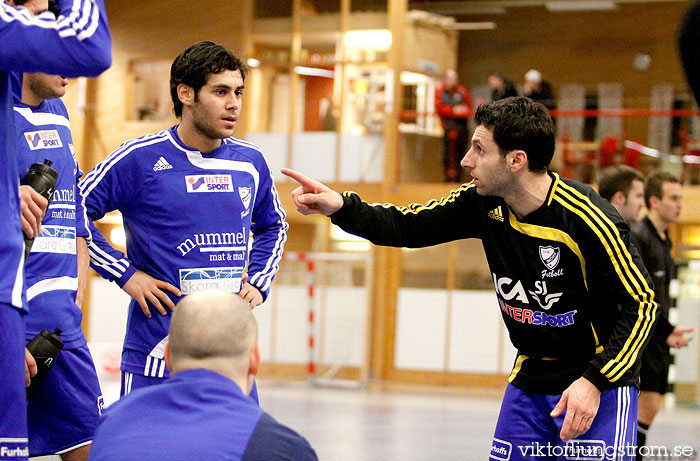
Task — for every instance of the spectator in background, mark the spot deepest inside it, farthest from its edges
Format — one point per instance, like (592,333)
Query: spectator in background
(328,114)
(663,196)
(501,87)
(623,187)
(538,90)
(453,104)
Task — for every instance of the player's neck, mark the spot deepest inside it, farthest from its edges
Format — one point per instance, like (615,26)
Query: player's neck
(660,224)
(30,98)
(194,138)
(217,365)
(529,193)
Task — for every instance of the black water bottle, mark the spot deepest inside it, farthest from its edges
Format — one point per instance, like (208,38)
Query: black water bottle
(44,347)
(42,178)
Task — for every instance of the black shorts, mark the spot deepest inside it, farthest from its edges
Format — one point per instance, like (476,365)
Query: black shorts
(656,360)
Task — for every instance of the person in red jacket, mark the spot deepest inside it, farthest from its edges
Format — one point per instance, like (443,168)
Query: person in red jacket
(453,104)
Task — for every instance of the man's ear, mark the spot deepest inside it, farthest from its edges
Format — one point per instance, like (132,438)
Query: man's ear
(654,202)
(168,360)
(186,94)
(516,160)
(618,198)
(254,360)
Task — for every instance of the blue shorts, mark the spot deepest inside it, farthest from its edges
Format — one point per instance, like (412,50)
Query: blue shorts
(131,382)
(13,394)
(63,412)
(526,431)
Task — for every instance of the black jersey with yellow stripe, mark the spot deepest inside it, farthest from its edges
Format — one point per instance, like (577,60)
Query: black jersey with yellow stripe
(574,294)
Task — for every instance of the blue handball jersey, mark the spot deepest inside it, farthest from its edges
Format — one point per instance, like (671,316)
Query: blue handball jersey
(77,43)
(197,414)
(188,218)
(51,271)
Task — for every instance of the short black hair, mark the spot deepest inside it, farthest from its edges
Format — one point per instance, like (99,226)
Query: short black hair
(520,123)
(654,187)
(194,66)
(616,179)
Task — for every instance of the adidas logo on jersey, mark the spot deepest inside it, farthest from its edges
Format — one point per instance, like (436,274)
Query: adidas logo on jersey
(162,164)
(496,214)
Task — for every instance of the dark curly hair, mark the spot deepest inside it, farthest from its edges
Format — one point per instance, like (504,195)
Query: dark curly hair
(520,123)
(194,66)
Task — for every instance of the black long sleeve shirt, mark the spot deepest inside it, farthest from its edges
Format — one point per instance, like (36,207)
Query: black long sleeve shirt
(576,299)
(656,254)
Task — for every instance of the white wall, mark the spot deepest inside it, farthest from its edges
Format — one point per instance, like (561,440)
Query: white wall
(313,153)
(473,340)
(464,334)
(339,327)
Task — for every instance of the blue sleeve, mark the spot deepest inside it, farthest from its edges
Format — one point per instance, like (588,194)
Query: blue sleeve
(81,221)
(272,441)
(269,233)
(77,43)
(109,186)
(112,184)
(110,263)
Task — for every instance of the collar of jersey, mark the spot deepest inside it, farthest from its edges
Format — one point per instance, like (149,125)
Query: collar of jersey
(207,375)
(178,142)
(547,200)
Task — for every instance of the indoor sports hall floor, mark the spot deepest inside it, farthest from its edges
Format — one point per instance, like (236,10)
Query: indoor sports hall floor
(350,424)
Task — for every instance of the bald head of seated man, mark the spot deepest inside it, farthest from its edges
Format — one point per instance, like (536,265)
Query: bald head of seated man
(204,409)
(217,331)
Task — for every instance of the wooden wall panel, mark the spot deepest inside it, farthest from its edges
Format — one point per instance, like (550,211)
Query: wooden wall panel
(580,47)
(156,29)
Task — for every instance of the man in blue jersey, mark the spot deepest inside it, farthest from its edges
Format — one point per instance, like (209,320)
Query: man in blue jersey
(573,292)
(77,43)
(63,411)
(190,197)
(204,410)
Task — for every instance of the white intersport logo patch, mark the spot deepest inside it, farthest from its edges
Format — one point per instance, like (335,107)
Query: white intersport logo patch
(162,164)
(44,139)
(209,183)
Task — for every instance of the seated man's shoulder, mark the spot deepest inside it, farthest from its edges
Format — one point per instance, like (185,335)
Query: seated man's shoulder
(271,440)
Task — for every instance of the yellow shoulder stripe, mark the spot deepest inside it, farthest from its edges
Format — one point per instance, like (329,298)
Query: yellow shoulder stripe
(549,233)
(416,208)
(627,272)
